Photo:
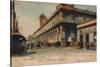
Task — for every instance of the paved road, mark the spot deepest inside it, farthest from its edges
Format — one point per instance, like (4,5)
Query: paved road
(54,55)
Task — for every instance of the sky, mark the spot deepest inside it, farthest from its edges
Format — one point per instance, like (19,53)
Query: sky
(28,12)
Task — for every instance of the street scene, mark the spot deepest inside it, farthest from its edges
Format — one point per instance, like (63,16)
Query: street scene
(54,56)
(51,33)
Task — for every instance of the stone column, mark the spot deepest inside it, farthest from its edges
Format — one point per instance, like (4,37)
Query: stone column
(78,35)
(61,37)
(56,34)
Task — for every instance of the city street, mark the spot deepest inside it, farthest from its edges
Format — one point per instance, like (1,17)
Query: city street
(54,55)
(52,33)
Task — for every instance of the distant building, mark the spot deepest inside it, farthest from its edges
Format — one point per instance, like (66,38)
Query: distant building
(67,24)
(42,19)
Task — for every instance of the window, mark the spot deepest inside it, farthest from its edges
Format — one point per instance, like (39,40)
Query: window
(91,38)
(76,19)
(71,18)
(68,18)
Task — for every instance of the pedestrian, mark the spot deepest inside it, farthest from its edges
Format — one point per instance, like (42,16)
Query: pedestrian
(38,44)
(87,45)
(31,45)
(59,44)
(81,45)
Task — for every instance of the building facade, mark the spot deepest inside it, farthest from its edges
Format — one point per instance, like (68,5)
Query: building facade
(86,32)
(66,24)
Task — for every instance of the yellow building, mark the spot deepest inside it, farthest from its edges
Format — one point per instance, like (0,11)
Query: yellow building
(66,24)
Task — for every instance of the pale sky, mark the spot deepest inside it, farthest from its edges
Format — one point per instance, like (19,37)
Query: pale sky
(28,14)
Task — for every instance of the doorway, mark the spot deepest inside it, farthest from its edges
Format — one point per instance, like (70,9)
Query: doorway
(87,38)
(81,38)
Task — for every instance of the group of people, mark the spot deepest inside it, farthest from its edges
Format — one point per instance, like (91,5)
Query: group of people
(39,44)
(58,44)
(87,45)
(42,44)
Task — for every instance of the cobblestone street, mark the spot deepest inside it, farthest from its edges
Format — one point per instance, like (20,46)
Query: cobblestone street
(54,55)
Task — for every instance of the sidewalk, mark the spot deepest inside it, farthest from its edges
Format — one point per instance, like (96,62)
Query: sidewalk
(55,56)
